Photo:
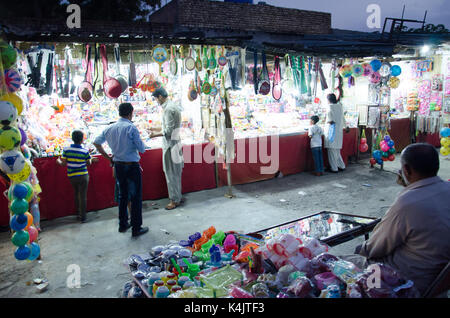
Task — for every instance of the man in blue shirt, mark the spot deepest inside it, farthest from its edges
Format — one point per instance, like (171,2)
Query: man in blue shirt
(126,144)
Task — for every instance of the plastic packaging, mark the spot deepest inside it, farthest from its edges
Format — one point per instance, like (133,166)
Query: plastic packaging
(237,292)
(326,279)
(260,290)
(283,274)
(301,287)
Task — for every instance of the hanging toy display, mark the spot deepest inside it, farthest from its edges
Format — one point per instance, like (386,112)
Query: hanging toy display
(385,69)
(385,150)
(22,194)
(396,70)
(160,55)
(375,78)
(394,82)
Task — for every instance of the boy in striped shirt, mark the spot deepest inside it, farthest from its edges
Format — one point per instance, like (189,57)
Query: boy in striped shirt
(77,158)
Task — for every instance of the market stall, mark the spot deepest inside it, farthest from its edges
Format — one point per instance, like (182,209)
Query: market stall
(291,260)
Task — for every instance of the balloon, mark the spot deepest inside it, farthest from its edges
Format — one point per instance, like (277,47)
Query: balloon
(20,238)
(30,220)
(384,154)
(33,232)
(394,82)
(387,138)
(376,65)
(8,113)
(19,191)
(445,151)
(345,71)
(363,147)
(373,161)
(391,143)
(379,161)
(392,151)
(363,140)
(391,158)
(396,70)
(445,132)
(18,222)
(35,251)
(384,159)
(22,253)
(377,154)
(385,148)
(19,206)
(13,80)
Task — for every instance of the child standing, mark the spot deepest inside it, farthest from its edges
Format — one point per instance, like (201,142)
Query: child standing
(315,132)
(77,158)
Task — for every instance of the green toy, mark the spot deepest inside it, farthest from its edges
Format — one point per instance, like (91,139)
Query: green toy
(204,257)
(218,238)
(193,269)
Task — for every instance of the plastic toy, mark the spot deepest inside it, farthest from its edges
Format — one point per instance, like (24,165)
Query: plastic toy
(33,232)
(367,69)
(376,65)
(228,257)
(396,70)
(35,251)
(301,287)
(162,292)
(10,138)
(218,238)
(13,80)
(15,100)
(220,279)
(22,253)
(18,222)
(20,238)
(19,206)
(8,55)
(230,244)
(345,71)
(357,70)
(256,262)
(216,259)
(193,269)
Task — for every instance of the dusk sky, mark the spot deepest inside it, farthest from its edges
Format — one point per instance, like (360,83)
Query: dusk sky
(351,14)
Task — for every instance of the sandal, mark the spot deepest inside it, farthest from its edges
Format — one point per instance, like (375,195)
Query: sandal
(172,205)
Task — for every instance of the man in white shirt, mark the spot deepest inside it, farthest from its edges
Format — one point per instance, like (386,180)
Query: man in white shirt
(173,161)
(335,117)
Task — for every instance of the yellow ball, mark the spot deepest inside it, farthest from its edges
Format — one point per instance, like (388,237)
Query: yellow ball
(22,175)
(445,142)
(15,100)
(445,151)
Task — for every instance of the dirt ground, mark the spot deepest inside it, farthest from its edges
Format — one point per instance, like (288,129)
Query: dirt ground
(99,250)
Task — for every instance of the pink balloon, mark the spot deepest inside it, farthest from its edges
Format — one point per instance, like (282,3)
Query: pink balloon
(385,148)
(363,147)
(33,232)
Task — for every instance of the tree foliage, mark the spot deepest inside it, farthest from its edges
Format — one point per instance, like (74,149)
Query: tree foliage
(428,28)
(100,10)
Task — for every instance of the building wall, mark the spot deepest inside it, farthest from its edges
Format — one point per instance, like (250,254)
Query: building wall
(243,16)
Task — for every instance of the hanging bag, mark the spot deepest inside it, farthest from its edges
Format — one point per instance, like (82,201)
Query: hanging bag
(85,90)
(111,86)
(276,90)
(264,85)
(122,80)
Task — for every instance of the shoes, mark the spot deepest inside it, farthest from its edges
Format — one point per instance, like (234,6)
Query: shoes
(317,174)
(329,170)
(83,220)
(124,229)
(140,232)
(342,170)
(172,205)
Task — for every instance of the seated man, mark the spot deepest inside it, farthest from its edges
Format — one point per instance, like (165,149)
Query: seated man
(414,235)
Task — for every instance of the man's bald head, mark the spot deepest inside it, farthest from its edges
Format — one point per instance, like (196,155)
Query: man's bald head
(422,158)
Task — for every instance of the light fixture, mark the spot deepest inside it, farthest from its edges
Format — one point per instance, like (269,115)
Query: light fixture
(425,49)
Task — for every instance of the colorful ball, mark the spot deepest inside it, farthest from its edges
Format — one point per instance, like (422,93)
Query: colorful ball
(445,142)
(20,238)
(19,206)
(8,113)
(380,161)
(391,157)
(18,222)
(384,154)
(385,148)
(345,70)
(30,220)
(22,175)
(367,69)
(19,191)
(376,65)
(8,55)
(35,251)
(394,82)
(357,70)
(373,161)
(385,69)
(377,154)
(392,151)
(15,100)
(12,162)
(375,77)
(445,132)
(363,140)
(387,138)
(22,253)
(13,80)
(33,232)
(396,70)
(391,143)
(445,151)
(10,138)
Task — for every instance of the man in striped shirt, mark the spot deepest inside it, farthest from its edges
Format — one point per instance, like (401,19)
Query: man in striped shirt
(77,158)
